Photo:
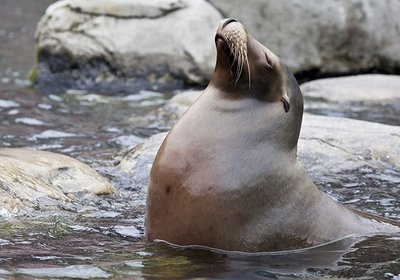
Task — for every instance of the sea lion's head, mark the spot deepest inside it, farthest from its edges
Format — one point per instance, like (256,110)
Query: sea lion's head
(247,69)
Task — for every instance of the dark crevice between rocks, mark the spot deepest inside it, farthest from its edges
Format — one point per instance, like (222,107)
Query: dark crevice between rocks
(194,72)
(163,13)
(94,39)
(122,17)
(316,73)
(61,72)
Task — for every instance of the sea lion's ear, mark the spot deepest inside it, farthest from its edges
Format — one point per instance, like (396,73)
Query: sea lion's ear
(269,62)
(286,104)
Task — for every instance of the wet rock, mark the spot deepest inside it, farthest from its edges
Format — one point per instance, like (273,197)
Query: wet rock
(174,108)
(329,37)
(361,88)
(28,178)
(178,104)
(128,9)
(182,101)
(139,159)
(329,147)
(373,98)
(124,46)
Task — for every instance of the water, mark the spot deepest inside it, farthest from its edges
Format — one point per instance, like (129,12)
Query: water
(102,237)
(381,113)
(76,122)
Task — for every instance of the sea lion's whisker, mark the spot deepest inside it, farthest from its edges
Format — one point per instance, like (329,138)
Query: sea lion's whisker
(239,60)
(238,56)
(238,68)
(248,70)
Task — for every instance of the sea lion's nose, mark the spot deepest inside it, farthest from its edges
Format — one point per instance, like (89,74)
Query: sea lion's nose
(228,21)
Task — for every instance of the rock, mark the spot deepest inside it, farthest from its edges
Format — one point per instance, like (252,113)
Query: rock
(181,102)
(162,118)
(28,176)
(328,147)
(371,97)
(128,9)
(139,159)
(125,45)
(329,37)
(367,97)
(362,88)
(184,99)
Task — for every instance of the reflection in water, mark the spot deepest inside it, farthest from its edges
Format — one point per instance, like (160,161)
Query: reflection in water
(84,126)
(73,271)
(18,19)
(97,248)
(295,262)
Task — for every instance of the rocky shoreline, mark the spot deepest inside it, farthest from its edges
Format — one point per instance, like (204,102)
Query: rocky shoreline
(124,46)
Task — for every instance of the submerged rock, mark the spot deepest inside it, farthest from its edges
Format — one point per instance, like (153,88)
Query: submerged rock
(28,177)
(124,45)
(328,37)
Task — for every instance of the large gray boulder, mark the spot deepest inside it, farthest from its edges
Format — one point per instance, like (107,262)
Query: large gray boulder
(125,45)
(324,36)
(32,179)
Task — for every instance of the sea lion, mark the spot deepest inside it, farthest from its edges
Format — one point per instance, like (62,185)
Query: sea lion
(227,174)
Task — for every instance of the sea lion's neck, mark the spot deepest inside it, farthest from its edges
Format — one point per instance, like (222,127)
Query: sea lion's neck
(246,135)
(239,102)
(252,122)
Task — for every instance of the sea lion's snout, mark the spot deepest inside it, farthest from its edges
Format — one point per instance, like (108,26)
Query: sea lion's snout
(231,37)
(242,62)
(225,22)
(228,21)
